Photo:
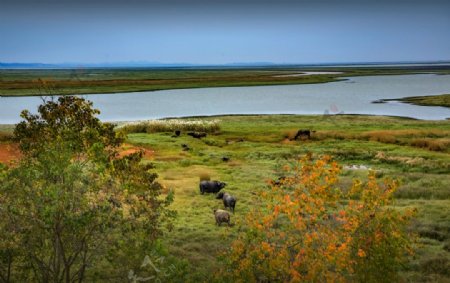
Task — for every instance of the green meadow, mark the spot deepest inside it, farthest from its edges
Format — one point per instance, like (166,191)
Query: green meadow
(412,151)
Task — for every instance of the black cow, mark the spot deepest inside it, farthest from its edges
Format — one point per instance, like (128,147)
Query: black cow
(197,135)
(229,201)
(211,186)
(303,134)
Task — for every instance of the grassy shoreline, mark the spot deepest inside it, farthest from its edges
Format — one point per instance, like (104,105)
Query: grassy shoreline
(431,100)
(97,81)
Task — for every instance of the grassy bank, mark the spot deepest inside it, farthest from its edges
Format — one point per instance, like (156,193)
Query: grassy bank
(432,100)
(88,81)
(258,146)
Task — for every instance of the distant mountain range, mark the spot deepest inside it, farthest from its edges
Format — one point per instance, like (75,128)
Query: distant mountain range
(88,65)
(144,64)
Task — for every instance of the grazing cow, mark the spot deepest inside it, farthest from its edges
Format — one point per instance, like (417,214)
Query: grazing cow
(176,134)
(197,135)
(229,201)
(303,134)
(221,216)
(211,186)
(225,158)
(185,147)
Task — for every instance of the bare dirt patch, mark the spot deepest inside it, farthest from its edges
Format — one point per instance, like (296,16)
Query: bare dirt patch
(9,153)
(127,149)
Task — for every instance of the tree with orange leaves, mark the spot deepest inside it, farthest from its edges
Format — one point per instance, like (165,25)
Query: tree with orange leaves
(310,230)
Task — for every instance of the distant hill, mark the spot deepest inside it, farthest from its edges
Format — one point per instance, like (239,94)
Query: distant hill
(146,64)
(25,65)
(96,65)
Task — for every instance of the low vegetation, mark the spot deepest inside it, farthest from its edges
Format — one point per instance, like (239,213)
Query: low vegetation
(249,153)
(256,149)
(432,100)
(87,81)
(431,139)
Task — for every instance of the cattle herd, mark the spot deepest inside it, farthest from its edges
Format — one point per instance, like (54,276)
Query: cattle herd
(229,201)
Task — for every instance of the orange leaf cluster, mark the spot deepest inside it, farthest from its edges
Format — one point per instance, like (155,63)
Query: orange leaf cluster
(310,230)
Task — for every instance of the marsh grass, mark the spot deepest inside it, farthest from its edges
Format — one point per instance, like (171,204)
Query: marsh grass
(18,82)
(431,100)
(170,125)
(434,139)
(432,144)
(258,149)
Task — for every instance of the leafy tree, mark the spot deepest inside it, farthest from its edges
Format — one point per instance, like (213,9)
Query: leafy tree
(69,121)
(312,231)
(73,209)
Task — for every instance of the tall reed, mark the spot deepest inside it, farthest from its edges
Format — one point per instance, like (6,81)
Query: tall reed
(170,125)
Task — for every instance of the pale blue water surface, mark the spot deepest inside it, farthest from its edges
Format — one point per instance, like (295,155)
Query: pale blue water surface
(353,96)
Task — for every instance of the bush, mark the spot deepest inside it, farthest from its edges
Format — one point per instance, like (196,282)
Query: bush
(309,230)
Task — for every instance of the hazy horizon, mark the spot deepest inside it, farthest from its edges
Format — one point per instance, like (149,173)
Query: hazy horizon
(231,64)
(224,32)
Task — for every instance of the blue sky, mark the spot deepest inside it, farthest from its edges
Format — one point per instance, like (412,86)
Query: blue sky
(219,32)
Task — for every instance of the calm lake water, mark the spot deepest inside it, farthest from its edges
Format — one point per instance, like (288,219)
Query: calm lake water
(353,96)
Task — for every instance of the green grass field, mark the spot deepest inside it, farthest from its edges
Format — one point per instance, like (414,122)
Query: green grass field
(259,145)
(16,82)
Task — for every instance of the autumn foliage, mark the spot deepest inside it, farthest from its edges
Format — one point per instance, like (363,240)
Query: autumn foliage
(310,230)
